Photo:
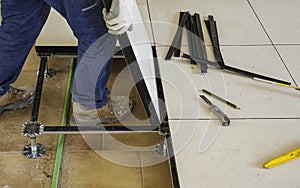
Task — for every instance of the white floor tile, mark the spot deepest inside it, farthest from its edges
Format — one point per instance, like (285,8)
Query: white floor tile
(235,155)
(280,18)
(235,20)
(183,83)
(291,56)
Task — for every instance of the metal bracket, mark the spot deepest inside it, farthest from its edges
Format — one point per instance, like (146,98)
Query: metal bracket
(32,129)
(164,130)
(49,72)
(33,150)
(161,149)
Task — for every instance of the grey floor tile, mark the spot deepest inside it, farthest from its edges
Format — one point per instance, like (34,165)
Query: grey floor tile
(237,25)
(236,154)
(183,84)
(280,19)
(290,56)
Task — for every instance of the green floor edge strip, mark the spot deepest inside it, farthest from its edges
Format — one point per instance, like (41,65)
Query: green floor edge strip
(61,138)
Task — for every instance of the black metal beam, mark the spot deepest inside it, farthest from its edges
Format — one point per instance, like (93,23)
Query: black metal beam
(190,38)
(178,36)
(253,75)
(213,33)
(199,26)
(56,50)
(38,91)
(178,47)
(96,129)
(198,60)
(138,78)
(136,73)
(172,162)
(200,40)
(236,70)
(198,44)
(163,128)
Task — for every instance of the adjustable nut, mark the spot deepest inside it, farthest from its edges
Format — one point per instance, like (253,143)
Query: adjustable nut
(32,129)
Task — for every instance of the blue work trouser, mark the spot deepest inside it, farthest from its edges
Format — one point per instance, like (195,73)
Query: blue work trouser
(22,21)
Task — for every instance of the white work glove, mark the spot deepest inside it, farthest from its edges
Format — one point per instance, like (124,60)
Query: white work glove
(120,17)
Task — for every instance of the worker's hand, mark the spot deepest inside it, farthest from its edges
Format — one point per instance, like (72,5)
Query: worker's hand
(120,17)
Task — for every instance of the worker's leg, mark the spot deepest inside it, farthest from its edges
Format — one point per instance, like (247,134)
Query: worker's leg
(21,23)
(95,48)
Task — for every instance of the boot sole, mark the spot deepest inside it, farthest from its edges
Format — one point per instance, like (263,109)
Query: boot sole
(17,105)
(116,119)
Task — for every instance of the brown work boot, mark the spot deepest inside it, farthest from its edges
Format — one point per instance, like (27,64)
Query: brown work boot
(16,98)
(116,109)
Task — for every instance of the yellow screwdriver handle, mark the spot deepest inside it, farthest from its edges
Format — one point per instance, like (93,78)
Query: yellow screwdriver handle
(285,85)
(290,156)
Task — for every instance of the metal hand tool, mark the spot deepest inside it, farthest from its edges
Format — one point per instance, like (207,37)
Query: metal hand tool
(219,113)
(221,99)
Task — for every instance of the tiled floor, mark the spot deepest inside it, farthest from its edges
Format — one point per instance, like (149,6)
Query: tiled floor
(260,36)
(234,156)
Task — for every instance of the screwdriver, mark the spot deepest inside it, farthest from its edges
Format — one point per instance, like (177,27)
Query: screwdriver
(290,156)
(221,99)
